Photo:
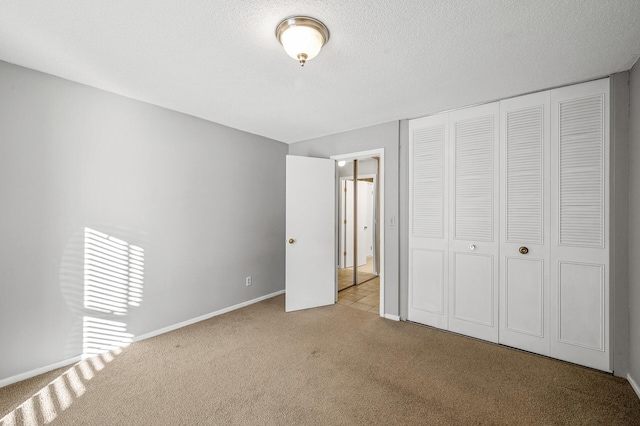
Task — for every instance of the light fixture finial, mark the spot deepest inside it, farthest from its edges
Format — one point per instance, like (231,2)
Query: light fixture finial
(302,37)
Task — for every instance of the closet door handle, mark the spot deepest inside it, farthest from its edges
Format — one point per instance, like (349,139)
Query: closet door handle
(291,241)
(523,250)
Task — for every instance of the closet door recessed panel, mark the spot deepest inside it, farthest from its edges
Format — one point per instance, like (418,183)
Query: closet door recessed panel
(524,311)
(428,271)
(473,290)
(581,305)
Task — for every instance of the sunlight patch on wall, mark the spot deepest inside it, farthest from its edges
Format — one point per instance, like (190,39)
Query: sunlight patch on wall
(100,336)
(113,273)
(113,281)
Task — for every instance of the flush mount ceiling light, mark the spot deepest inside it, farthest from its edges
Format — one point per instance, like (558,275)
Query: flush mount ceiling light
(302,37)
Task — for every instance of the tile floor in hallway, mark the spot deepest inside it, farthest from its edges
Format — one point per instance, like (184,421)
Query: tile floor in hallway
(365,297)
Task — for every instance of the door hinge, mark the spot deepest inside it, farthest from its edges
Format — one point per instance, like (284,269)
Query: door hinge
(345,189)
(345,221)
(345,253)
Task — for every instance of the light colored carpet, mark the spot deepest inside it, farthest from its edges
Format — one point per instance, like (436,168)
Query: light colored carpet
(332,365)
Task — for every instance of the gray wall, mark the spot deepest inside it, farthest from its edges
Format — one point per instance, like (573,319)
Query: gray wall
(634,226)
(374,137)
(619,218)
(205,203)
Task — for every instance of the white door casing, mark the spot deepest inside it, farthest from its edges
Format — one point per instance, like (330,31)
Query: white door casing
(310,233)
(473,226)
(524,222)
(379,181)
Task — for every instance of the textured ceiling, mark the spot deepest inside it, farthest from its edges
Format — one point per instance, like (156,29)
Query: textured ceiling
(385,60)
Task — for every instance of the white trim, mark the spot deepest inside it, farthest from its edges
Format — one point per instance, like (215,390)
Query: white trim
(78,358)
(392,317)
(367,176)
(367,154)
(205,316)
(29,374)
(358,155)
(634,385)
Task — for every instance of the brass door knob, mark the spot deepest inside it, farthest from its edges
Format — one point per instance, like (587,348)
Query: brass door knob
(291,241)
(523,250)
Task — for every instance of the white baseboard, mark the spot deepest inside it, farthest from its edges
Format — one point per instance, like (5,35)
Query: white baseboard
(205,317)
(78,358)
(634,385)
(29,374)
(392,317)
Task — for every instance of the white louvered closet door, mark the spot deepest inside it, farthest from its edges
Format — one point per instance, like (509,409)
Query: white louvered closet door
(524,220)
(428,220)
(580,224)
(473,244)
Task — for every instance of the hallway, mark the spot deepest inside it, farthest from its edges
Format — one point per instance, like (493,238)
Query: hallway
(365,297)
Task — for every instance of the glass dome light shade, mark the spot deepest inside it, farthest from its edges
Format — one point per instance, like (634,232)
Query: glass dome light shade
(302,37)
(301,40)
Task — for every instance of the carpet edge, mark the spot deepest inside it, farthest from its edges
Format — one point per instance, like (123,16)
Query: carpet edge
(205,316)
(40,370)
(45,369)
(634,385)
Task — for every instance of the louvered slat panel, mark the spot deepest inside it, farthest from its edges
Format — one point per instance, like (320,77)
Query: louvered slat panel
(428,182)
(581,172)
(524,176)
(474,140)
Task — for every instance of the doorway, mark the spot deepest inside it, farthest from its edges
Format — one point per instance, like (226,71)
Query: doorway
(360,240)
(358,236)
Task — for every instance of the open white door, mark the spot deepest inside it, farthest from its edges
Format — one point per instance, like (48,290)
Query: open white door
(310,216)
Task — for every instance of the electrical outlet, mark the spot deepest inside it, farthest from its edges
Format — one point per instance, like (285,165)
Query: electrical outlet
(248,281)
